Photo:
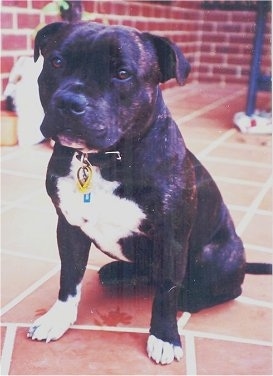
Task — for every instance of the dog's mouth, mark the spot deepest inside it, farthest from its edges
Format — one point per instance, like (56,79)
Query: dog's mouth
(75,142)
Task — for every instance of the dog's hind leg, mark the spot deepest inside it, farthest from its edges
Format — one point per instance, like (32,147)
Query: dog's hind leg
(138,249)
(74,248)
(213,278)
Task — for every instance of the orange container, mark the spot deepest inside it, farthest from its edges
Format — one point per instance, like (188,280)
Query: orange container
(8,129)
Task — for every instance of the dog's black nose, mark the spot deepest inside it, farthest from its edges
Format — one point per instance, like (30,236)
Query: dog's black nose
(70,103)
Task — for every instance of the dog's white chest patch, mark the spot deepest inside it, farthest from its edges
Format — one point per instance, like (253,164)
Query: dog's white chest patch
(106,218)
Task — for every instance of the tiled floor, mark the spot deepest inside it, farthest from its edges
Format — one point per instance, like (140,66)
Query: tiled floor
(110,334)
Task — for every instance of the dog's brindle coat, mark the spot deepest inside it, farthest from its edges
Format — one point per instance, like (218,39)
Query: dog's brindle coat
(157,207)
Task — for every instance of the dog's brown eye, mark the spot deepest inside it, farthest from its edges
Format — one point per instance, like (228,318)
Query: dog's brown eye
(122,74)
(56,62)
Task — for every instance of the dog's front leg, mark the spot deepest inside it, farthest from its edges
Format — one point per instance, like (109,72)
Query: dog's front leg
(74,248)
(164,344)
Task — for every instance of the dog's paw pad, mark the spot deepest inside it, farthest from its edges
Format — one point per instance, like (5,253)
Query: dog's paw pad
(163,352)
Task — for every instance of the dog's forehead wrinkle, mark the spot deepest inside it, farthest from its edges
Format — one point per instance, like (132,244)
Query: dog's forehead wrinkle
(111,40)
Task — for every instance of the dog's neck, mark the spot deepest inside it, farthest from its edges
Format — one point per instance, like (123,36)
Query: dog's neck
(95,157)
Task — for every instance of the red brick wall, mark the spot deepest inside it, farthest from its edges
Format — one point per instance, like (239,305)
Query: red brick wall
(217,43)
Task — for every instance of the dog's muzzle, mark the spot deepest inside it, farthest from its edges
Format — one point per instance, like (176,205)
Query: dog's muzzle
(71,104)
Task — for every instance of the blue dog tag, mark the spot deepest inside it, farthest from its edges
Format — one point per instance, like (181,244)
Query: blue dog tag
(87,198)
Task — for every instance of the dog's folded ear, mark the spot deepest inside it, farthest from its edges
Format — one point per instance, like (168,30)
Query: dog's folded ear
(43,36)
(172,62)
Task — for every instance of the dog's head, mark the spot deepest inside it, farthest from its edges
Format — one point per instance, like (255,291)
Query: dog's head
(99,83)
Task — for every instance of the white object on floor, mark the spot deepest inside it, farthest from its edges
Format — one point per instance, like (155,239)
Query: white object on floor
(23,88)
(258,123)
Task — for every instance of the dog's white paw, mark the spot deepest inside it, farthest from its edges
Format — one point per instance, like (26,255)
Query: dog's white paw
(163,352)
(54,323)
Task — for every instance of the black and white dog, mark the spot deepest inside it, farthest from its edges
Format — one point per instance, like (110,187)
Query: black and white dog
(121,177)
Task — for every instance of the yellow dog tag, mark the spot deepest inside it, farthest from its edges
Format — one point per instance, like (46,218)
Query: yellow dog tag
(84,178)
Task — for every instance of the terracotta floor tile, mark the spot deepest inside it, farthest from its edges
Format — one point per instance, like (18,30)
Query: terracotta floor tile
(114,307)
(35,234)
(10,191)
(233,319)
(29,160)
(236,215)
(196,145)
(248,140)
(236,170)
(97,257)
(259,231)
(266,203)
(27,272)
(258,287)
(215,357)
(3,334)
(40,202)
(236,193)
(35,304)
(261,155)
(84,352)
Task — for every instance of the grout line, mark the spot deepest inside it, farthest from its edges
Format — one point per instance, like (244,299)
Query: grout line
(182,322)
(184,332)
(223,337)
(210,107)
(31,257)
(246,146)
(93,267)
(253,207)
(29,290)
(169,95)
(26,197)
(44,259)
(238,181)
(21,150)
(26,205)
(264,212)
(241,162)
(214,144)
(257,303)
(117,329)
(22,174)
(8,348)
(103,328)
(258,248)
(14,154)
(191,368)
(244,209)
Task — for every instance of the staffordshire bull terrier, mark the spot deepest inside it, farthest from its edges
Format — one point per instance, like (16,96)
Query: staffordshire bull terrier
(120,176)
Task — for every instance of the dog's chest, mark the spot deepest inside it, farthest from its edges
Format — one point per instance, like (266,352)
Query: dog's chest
(105,218)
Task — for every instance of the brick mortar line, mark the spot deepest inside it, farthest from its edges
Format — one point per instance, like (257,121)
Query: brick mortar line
(16,10)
